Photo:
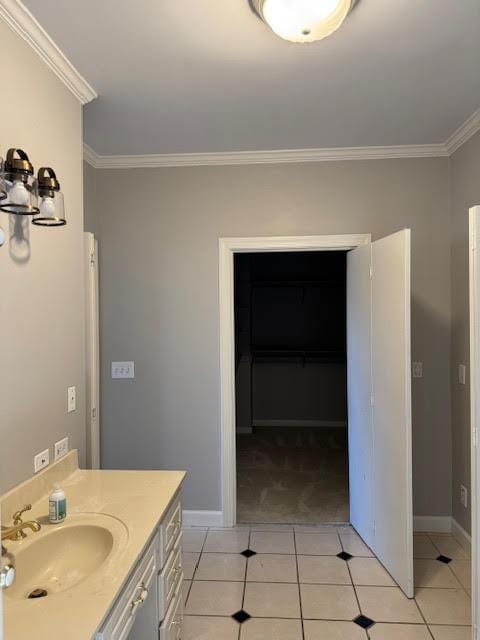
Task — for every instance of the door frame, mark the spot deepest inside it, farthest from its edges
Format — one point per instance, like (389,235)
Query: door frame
(92,355)
(474,305)
(227,248)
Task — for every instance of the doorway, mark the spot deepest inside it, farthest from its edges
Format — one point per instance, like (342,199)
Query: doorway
(291,387)
(378,379)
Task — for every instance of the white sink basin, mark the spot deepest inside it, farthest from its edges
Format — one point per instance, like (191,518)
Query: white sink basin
(59,557)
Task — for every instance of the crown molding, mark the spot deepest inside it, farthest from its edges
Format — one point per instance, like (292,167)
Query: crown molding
(90,156)
(468,129)
(261,157)
(21,20)
(464,132)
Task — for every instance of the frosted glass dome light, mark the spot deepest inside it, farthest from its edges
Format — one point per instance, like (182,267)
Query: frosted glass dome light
(303,20)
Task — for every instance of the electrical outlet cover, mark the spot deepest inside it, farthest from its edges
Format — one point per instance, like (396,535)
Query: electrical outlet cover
(71,399)
(41,460)
(61,448)
(123,370)
(417,369)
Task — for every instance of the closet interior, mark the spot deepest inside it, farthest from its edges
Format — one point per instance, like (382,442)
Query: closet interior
(291,387)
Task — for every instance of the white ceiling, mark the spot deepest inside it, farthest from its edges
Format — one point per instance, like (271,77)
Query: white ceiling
(186,76)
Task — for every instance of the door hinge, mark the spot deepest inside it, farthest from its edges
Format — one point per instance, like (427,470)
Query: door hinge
(372,400)
(94,412)
(474,436)
(371,273)
(92,258)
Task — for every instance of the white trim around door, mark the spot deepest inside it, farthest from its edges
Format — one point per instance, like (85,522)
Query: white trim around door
(227,248)
(474,300)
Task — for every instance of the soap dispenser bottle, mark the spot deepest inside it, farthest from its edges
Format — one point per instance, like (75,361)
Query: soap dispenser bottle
(57,505)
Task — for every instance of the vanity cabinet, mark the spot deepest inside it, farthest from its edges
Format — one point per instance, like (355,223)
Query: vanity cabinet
(150,606)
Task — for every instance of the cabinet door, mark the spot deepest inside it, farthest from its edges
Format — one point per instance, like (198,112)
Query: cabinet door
(146,622)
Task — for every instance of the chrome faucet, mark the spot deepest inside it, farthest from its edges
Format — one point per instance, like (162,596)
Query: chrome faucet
(17,531)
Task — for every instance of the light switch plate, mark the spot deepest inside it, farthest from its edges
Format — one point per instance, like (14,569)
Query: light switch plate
(123,370)
(71,399)
(417,368)
(41,460)
(60,448)
(462,373)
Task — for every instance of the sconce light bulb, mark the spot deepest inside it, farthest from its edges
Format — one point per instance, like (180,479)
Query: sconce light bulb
(18,194)
(47,207)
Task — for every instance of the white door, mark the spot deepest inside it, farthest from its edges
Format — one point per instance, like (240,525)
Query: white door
(475,405)
(379,411)
(359,374)
(392,421)
(92,351)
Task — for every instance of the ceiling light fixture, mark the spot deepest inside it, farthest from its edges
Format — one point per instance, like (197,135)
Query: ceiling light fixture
(303,20)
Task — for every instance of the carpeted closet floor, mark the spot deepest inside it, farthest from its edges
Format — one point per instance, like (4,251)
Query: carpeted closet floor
(292,475)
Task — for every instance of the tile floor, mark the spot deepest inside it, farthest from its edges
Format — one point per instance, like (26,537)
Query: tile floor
(287,582)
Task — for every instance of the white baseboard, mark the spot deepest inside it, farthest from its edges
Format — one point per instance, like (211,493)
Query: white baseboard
(202,518)
(435,524)
(299,423)
(461,536)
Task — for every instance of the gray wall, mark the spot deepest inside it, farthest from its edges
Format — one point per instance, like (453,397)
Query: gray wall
(465,192)
(41,272)
(159,231)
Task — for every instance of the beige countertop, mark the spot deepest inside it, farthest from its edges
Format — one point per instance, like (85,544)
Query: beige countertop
(137,500)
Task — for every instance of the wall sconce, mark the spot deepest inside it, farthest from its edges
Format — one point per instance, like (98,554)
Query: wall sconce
(3,188)
(51,211)
(20,191)
(18,183)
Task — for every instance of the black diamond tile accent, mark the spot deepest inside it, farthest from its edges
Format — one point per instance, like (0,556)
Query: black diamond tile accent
(241,616)
(343,555)
(364,622)
(444,559)
(248,553)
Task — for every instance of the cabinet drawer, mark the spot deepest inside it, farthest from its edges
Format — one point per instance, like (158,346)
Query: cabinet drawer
(168,578)
(122,616)
(171,627)
(169,530)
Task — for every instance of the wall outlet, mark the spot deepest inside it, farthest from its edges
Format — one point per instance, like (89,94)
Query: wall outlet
(71,399)
(123,370)
(417,369)
(41,460)
(464,496)
(462,373)
(60,448)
